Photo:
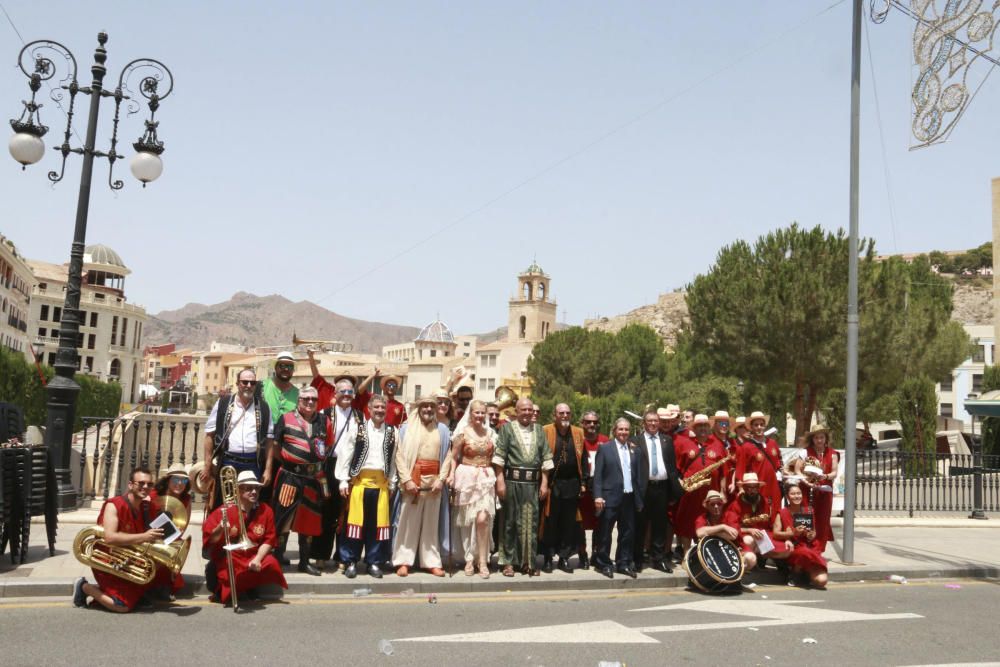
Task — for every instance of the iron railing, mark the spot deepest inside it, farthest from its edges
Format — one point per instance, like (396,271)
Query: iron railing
(914,482)
(108,449)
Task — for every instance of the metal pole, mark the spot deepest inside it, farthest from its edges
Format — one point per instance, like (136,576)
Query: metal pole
(851,420)
(977,474)
(63,390)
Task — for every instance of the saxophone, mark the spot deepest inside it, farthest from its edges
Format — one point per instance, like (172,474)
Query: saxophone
(703,476)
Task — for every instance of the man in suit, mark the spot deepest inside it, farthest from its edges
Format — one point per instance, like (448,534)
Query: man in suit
(662,487)
(619,489)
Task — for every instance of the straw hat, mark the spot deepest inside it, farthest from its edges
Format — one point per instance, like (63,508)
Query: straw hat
(389,378)
(757,414)
(720,415)
(700,419)
(815,430)
(750,478)
(712,495)
(247,478)
(195,474)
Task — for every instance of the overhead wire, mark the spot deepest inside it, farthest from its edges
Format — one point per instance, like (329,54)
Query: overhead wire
(580,151)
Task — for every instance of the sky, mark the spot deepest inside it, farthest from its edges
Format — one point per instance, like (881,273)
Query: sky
(403,161)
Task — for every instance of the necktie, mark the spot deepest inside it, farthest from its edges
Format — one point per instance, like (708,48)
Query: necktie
(626,469)
(653,447)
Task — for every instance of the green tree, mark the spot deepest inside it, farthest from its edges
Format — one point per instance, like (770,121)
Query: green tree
(917,405)
(991,425)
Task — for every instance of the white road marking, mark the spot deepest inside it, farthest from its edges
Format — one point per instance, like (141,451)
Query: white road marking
(777,612)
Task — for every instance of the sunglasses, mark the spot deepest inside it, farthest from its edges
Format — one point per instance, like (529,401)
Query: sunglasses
(286,367)
(590,421)
(145,485)
(178,479)
(308,399)
(722,423)
(346,392)
(248,383)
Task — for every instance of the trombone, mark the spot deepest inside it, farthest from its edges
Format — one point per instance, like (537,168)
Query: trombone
(322,345)
(230,496)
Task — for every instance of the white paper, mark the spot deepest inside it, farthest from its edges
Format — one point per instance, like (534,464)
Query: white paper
(170,530)
(764,543)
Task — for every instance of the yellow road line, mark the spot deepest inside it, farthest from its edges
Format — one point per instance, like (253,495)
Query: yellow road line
(509,596)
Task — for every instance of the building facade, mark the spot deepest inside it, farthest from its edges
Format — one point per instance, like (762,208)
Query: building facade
(16,280)
(110,341)
(967,378)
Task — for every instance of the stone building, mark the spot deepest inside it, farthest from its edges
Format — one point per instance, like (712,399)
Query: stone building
(16,280)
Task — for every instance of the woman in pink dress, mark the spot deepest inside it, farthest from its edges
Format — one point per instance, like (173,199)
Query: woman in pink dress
(474,487)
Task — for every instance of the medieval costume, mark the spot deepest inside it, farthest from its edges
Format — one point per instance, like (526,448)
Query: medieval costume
(819,469)
(560,526)
(763,458)
(365,466)
(524,456)
(692,457)
(757,512)
(241,433)
(422,457)
(344,426)
(474,490)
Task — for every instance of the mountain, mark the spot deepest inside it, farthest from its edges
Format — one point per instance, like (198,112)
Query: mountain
(247,319)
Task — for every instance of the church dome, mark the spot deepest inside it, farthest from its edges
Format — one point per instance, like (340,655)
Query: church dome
(436,332)
(102,254)
(534,268)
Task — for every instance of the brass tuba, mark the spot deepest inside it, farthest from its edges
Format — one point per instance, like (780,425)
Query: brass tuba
(505,397)
(135,563)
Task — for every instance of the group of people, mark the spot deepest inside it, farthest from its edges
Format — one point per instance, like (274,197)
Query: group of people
(362,482)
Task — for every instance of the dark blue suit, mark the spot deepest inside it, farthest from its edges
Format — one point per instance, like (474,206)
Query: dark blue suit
(619,507)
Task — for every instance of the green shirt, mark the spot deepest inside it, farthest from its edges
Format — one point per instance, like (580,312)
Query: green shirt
(279,401)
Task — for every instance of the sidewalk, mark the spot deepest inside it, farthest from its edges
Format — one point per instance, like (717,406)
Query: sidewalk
(914,548)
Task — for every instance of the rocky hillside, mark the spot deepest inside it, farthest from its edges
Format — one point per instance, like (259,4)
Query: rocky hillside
(247,319)
(973,305)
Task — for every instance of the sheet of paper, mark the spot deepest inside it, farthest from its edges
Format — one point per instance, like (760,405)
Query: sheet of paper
(170,531)
(764,543)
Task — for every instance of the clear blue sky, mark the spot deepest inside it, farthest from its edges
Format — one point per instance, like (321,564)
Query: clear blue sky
(623,144)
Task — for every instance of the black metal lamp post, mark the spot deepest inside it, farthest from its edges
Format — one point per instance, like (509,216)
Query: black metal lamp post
(38,62)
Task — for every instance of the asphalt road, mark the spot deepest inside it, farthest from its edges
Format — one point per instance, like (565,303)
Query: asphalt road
(921,623)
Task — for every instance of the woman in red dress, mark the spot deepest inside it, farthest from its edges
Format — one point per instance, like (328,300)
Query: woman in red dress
(792,524)
(817,465)
(176,483)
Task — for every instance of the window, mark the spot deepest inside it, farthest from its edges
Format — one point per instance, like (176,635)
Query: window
(946,410)
(52,358)
(90,364)
(488,360)
(946,384)
(93,319)
(466,344)
(121,341)
(91,341)
(977,382)
(114,329)
(979,356)
(56,314)
(416,391)
(434,353)
(44,315)
(482,384)
(116,368)
(43,332)
(491,383)
(522,330)
(83,318)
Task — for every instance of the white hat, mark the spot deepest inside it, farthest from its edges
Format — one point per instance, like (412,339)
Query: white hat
(757,414)
(285,356)
(247,478)
(700,419)
(748,478)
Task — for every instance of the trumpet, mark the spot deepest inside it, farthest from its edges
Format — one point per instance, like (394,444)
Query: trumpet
(322,345)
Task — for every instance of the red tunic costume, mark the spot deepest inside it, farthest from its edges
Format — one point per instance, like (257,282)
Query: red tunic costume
(820,496)
(395,412)
(764,459)
(260,530)
(741,514)
(588,520)
(163,577)
(132,522)
(703,521)
(806,554)
(692,457)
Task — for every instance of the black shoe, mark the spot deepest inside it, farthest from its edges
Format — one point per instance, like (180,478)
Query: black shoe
(252,595)
(608,572)
(664,566)
(375,571)
(308,568)
(627,571)
(639,567)
(351,571)
(79,597)
(584,562)
(565,566)
(547,566)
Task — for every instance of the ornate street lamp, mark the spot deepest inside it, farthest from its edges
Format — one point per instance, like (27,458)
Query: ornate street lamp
(38,60)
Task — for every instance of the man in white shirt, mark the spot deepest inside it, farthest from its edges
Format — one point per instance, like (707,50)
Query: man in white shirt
(239,433)
(662,489)
(368,463)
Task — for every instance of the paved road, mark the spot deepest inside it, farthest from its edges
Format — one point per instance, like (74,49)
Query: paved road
(928,622)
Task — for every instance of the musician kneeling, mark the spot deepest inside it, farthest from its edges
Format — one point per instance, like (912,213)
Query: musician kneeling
(712,522)
(754,514)
(125,519)
(255,565)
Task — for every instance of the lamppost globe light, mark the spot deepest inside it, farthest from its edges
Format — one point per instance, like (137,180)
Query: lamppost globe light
(146,166)
(26,148)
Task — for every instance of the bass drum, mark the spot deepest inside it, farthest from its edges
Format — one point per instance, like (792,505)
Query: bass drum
(714,565)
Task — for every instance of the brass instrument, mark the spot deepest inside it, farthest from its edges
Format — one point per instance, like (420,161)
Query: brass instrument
(703,476)
(135,563)
(322,345)
(505,397)
(231,496)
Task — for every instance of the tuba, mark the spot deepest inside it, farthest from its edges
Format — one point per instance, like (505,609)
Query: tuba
(135,563)
(505,397)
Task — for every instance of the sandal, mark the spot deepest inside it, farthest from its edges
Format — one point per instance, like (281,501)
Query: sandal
(470,568)
(484,570)
(508,571)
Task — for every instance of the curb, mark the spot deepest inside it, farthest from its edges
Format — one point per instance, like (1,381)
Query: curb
(334,584)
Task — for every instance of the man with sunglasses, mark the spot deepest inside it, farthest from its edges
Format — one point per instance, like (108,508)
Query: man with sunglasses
(302,442)
(345,420)
(592,441)
(281,395)
(125,520)
(239,433)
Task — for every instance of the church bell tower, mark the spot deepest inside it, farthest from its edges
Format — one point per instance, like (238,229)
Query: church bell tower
(532,310)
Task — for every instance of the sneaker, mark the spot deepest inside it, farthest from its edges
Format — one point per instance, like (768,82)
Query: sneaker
(79,597)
